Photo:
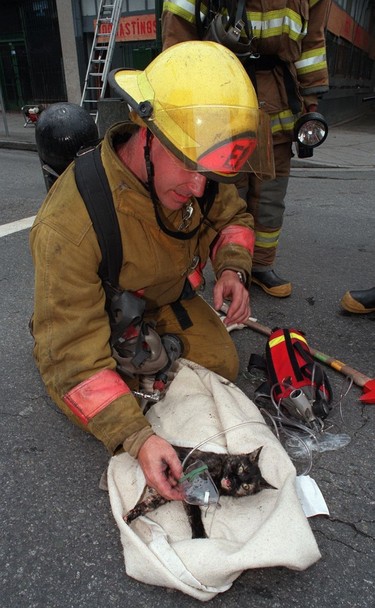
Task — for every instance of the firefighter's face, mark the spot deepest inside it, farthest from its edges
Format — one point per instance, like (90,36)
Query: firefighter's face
(174,184)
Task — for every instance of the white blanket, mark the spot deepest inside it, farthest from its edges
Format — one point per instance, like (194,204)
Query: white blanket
(267,529)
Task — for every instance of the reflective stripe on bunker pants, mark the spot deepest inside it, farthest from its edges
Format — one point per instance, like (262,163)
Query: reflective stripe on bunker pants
(206,342)
(265,201)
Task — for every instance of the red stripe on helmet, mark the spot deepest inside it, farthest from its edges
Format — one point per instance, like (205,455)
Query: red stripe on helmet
(230,156)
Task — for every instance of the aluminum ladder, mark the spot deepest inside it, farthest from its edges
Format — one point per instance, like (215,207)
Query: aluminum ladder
(101,55)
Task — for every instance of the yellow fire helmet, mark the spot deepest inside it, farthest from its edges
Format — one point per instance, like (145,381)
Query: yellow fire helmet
(198,100)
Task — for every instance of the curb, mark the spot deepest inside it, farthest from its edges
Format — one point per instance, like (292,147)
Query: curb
(18,145)
(312,164)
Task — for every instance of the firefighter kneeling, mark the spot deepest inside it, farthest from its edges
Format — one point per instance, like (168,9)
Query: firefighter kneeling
(170,174)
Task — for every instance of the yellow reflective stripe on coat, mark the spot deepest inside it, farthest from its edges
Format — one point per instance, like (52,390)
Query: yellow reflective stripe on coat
(279,339)
(276,23)
(265,24)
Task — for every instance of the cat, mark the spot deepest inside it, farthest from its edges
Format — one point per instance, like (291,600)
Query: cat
(233,474)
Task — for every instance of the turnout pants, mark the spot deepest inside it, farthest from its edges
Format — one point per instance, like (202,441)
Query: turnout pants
(265,201)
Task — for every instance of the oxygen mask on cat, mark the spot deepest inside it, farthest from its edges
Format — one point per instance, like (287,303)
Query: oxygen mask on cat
(198,486)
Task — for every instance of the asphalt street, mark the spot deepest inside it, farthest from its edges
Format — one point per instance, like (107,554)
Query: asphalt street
(60,547)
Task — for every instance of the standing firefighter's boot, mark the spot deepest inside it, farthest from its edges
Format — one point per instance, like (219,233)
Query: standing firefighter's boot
(271,283)
(359,302)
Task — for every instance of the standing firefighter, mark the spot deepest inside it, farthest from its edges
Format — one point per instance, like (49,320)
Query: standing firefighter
(193,127)
(282,47)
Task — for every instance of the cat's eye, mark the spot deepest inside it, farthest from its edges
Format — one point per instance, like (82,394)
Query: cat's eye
(240,469)
(245,486)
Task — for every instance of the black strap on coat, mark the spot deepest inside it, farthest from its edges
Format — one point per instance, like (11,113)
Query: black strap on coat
(95,191)
(235,9)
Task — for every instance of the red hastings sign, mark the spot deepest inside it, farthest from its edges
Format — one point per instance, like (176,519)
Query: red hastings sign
(139,27)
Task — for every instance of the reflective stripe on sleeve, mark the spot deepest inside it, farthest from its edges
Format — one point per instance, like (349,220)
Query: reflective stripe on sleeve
(282,121)
(182,8)
(93,395)
(311,61)
(234,235)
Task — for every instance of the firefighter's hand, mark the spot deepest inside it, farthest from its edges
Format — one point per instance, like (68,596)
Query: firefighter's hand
(310,103)
(161,467)
(229,287)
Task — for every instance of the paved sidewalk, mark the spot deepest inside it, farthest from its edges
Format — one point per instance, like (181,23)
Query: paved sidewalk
(348,145)
(14,135)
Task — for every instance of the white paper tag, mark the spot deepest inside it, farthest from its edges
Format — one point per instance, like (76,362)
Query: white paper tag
(310,496)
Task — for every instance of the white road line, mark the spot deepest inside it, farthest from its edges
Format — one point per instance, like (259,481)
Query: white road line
(27,222)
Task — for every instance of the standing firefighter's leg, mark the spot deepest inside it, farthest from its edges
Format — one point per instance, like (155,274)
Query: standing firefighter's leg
(265,201)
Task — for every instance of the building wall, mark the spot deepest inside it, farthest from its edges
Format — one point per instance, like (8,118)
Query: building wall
(351,58)
(31,68)
(69,50)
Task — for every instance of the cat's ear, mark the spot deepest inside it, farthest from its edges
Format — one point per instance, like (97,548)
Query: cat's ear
(264,485)
(254,456)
